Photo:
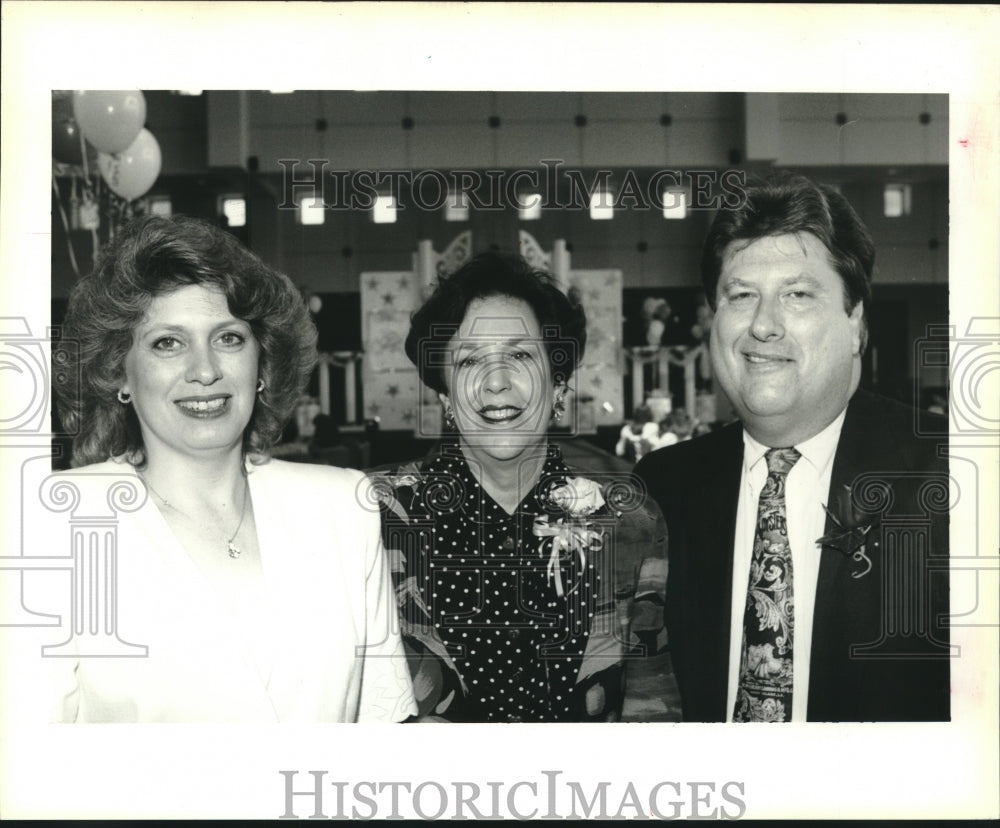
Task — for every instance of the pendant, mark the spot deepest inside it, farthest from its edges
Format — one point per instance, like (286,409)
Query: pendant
(234,550)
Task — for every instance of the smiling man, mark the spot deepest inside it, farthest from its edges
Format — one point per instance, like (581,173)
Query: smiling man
(808,567)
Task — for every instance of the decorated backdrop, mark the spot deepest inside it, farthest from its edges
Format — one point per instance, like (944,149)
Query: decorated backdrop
(392,389)
(597,385)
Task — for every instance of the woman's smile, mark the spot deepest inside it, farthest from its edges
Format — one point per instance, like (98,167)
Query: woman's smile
(501,414)
(205,407)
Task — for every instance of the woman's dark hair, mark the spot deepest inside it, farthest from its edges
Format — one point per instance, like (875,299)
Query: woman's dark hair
(791,203)
(563,323)
(149,257)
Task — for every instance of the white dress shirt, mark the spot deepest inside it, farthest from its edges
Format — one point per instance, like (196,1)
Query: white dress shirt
(806,492)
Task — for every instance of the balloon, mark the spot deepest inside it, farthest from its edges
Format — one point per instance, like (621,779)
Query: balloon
(110,119)
(131,173)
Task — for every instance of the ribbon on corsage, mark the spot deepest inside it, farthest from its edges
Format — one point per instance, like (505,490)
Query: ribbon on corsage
(578,498)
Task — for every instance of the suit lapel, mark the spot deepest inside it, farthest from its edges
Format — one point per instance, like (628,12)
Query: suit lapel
(715,505)
(838,615)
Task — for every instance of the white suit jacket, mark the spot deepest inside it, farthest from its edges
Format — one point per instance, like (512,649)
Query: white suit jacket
(328,623)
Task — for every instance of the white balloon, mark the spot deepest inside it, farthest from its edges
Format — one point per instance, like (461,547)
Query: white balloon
(110,119)
(133,171)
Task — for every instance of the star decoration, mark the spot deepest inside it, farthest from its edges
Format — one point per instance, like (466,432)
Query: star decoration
(392,390)
(388,298)
(373,284)
(597,382)
(404,283)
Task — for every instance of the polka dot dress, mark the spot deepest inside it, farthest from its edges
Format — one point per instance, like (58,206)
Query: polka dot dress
(516,644)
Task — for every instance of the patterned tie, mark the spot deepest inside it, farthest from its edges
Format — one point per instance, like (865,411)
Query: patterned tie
(765,688)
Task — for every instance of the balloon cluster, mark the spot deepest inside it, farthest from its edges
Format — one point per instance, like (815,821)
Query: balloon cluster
(107,127)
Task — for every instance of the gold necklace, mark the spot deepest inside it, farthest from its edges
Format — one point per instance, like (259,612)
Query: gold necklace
(234,550)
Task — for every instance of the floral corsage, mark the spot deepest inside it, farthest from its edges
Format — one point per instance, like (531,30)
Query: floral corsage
(852,534)
(575,503)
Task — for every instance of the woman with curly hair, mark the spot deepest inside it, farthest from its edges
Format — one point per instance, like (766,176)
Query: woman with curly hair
(515,574)
(256,586)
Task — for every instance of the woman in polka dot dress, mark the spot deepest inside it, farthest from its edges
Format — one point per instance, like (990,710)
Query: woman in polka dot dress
(514,574)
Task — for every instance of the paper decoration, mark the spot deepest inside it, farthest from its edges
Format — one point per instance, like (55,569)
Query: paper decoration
(390,382)
(598,380)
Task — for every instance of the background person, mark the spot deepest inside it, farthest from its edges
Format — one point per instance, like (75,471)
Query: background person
(638,435)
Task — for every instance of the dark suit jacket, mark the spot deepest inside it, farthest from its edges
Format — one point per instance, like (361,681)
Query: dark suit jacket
(880,642)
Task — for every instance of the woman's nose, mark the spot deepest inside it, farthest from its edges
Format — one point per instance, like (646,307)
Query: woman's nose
(768,320)
(204,366)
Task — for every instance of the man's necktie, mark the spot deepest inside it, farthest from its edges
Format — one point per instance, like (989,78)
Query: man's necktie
(764,693)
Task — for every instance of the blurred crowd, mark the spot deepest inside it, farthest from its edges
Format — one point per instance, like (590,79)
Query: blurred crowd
(644,433)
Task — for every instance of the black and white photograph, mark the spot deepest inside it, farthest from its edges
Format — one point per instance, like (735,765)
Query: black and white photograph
(582,381)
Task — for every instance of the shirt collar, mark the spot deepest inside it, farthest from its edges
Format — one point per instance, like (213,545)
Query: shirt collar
(818,450)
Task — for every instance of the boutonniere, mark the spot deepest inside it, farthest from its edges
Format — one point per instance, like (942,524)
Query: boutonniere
(574,505)
(852,535)
(386,487)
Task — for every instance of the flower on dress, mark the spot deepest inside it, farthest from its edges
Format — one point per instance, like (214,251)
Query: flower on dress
(851,534)
(578,499)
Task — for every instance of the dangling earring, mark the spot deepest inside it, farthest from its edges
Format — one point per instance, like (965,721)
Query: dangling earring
(449,418)
(124,397)
(558,407)
(260,386)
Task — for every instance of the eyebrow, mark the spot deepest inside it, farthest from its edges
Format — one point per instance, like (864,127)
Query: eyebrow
(173,327)
(477,342)
(798,278)
(487,340)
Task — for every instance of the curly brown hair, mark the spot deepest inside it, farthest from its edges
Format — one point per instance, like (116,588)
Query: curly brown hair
(149,257)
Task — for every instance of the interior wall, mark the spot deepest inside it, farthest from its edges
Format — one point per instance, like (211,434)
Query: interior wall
(232,142)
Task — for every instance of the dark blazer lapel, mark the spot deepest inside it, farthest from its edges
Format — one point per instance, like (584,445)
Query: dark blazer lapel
(713,503)
(852,456)
(720,495)
(838,618)
(697,486)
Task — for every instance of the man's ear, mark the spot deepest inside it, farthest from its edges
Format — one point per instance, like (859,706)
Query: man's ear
(857,321)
